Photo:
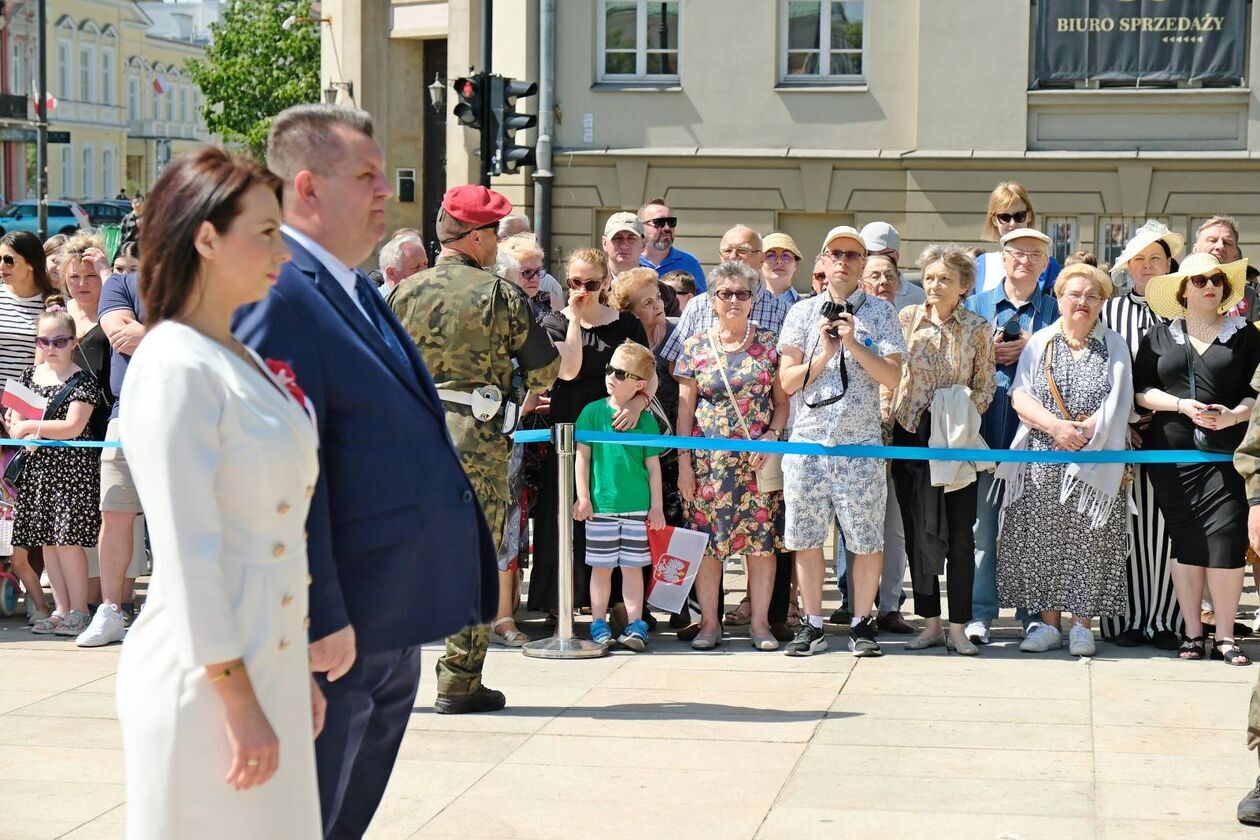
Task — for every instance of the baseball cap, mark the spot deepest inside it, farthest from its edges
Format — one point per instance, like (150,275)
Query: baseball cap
(618,222)
(844,232)
(881,236)
(1025,233)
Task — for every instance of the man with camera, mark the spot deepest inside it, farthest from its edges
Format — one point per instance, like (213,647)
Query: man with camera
(837,349)
(1016,308)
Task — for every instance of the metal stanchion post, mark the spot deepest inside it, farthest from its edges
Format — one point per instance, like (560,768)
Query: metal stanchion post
(563,645)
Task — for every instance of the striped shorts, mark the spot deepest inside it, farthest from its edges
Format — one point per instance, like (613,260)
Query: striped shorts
(619,540)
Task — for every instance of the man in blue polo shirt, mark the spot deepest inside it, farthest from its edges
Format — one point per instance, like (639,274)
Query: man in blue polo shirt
(1019,301)
(660,255)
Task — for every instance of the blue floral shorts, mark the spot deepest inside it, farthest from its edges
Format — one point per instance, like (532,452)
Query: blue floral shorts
(818,489)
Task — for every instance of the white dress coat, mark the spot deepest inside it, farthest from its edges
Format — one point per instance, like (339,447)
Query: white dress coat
(225,463)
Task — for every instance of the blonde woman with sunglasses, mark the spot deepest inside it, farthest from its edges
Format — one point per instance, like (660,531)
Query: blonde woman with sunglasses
(1010,208)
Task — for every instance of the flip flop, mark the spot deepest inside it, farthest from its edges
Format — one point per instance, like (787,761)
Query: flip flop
(512,638)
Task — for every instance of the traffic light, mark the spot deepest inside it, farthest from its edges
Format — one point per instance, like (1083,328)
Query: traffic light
(504,92)
(471,91)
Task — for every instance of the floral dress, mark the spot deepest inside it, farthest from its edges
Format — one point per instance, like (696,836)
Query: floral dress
(1049,558)
(728,503)
(59,501)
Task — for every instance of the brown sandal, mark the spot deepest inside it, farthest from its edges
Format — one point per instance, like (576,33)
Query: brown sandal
(738,617)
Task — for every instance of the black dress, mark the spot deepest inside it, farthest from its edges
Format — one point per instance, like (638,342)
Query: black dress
(95,359)
(568,398)
(59,503)
(1204,505)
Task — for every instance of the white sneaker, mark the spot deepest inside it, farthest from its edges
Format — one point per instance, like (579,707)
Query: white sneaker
(1041,638)
(978,631)
(1080,640)
(107,627)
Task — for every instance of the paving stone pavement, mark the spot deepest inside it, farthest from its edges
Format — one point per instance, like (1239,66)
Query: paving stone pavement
(732,744)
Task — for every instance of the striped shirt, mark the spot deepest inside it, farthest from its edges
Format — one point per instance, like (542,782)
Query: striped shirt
(17,332)
(1131,317)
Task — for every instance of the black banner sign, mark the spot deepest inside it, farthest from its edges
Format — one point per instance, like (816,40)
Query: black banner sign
(1140,40)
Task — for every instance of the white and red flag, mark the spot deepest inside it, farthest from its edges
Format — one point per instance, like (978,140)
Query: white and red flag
(23,400)
(160,85)
(50,101)
(676,555)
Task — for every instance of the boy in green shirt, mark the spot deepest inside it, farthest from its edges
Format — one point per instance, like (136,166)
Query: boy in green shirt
(619,496)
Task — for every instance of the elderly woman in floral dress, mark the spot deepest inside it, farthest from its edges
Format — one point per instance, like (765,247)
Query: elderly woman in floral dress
(729,388)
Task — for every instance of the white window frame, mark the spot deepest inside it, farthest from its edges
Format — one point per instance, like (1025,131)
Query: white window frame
(65,68)
(824,48)
(1051,228)
(17,67)
(87,63)
(183,104)
(67,170)
(134,103)
(640,46)
(109,163)
(108,58)
(87,166)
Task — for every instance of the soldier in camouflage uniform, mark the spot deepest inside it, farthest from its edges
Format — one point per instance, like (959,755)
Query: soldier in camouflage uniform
(1247,462)
(472,329)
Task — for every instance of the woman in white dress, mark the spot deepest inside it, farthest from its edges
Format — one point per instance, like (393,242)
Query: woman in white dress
(215,696)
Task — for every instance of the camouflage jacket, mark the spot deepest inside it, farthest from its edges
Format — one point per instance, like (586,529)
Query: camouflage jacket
(468,325)
(1247,456)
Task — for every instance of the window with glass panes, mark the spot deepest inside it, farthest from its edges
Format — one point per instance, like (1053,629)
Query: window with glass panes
(822,40)
(639,39)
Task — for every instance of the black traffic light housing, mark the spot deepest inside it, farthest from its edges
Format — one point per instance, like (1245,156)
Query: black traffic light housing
(504,93)
(471,91)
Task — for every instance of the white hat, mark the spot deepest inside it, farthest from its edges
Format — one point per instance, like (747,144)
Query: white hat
(1145,236)
(881,236)
(844,232)
(1025,233)
(1161,291)
(618,222)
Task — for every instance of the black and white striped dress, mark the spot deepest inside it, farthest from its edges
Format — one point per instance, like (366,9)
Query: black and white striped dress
(1152,601)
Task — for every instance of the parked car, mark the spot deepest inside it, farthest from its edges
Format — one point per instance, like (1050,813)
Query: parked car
(105,211)
(63,217)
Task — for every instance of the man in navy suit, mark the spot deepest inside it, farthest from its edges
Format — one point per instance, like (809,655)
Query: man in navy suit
(398,547)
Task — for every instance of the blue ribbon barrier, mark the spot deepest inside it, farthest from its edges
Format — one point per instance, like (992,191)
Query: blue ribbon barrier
(74,444)
(895,453)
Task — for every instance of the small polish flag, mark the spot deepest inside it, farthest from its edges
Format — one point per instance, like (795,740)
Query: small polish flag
(50,101)
(676,556)
(23,400)
(160,84)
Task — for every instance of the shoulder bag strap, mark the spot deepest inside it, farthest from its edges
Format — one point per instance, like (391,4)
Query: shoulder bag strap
(1054,387)
(61,397)
(719,356)
(1185,334)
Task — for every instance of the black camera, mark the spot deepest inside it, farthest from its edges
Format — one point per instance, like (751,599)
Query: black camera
(832,312)
(1011,330)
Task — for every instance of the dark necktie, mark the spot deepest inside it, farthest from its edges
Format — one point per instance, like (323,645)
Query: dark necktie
(366,293)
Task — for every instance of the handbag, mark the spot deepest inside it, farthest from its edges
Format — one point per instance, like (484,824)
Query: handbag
(1222,441)
(769,474)
(16,467)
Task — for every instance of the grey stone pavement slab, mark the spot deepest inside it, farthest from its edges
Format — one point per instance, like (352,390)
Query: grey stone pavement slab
(732,744)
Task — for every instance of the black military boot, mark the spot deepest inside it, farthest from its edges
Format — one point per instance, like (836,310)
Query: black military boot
(482,700)
(1249,807)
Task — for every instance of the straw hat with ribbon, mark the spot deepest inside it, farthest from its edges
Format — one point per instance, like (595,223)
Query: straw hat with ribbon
(1161,291)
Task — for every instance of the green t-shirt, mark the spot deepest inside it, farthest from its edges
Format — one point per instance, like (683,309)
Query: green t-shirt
(619,476)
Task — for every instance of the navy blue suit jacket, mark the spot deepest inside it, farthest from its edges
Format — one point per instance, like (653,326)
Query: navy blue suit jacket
(397,543)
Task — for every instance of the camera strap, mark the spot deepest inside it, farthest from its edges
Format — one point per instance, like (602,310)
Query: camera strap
(860,297)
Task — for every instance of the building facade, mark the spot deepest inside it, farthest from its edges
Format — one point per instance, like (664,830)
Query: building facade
(117,76)
(797,116)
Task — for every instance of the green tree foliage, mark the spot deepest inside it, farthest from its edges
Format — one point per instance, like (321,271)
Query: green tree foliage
(254,68)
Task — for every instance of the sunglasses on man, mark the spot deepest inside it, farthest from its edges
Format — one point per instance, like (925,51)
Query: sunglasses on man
(663,222)
(622,375)
(1018,217)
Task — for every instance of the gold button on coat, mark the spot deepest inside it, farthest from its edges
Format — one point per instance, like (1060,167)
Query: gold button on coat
(282,508)
(284,644)
(310,490)
(278,551)
(286,600)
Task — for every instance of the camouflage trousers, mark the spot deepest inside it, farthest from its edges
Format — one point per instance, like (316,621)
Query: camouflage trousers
(459,669)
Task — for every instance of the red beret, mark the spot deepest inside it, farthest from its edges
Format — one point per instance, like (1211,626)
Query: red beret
(474,204)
